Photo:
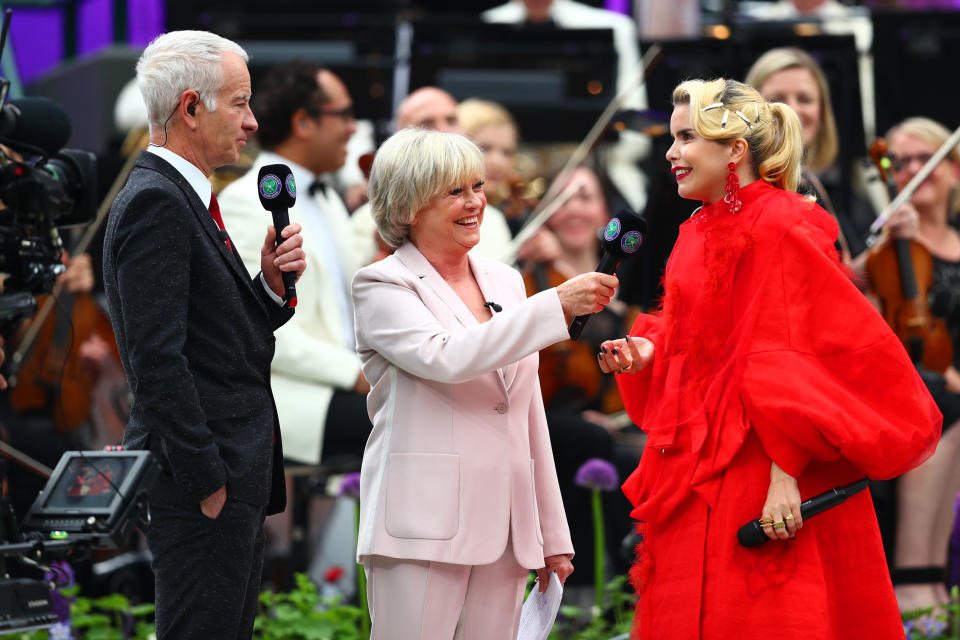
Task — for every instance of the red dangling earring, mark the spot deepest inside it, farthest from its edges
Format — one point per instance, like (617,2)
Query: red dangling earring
(730,191)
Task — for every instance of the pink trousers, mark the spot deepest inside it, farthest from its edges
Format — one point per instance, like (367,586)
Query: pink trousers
(419,600)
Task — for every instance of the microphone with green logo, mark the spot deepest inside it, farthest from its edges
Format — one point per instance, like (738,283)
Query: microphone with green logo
(621,238)
(278,192)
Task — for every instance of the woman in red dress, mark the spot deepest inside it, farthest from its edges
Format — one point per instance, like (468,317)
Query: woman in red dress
(766,378)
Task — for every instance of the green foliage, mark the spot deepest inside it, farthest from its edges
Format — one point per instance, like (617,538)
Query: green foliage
(302,614)
(942,623)
(614,620)
(107,618)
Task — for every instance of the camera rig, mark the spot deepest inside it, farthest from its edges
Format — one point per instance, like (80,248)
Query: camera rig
(43,188)
(92,500)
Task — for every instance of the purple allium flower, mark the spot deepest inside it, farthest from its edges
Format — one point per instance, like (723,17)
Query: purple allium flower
(350,487)
(597,473)
(60,631)
(908,627)
(61,573)
(932,628)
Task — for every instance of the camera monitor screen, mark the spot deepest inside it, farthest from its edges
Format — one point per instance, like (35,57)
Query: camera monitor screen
(90,482)
(94,492)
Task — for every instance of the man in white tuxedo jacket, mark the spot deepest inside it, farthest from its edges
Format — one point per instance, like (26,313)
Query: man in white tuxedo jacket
(306,118)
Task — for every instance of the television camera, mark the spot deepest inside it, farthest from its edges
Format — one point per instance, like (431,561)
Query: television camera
(43,188)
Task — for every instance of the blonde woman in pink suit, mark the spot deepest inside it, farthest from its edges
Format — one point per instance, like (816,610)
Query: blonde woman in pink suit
(459,496)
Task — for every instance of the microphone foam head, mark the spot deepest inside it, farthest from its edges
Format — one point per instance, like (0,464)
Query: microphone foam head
(624,234)
(35,122)
(276,187)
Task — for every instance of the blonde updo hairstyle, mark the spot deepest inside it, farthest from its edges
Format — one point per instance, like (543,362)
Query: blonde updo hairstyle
(771,129)
(823,149)
(934,134)
(413,167)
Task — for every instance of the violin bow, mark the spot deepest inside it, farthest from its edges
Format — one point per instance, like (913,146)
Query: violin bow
(908,190)
(537,220)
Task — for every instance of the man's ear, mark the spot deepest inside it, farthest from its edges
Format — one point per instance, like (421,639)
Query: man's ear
(188,107)
(300,122)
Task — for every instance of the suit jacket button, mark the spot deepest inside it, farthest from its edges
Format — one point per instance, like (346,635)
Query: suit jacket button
(501,408)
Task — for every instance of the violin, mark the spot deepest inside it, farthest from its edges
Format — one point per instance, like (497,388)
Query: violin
(51,374)
(900,274)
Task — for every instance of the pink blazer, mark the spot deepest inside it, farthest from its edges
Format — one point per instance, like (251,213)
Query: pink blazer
(460,454)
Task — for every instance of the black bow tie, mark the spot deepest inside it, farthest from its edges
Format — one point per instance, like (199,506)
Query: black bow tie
(318,185)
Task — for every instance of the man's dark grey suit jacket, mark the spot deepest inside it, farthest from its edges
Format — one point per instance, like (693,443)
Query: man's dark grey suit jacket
(195,333)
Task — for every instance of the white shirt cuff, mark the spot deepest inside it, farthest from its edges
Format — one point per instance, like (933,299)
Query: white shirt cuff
(270,292)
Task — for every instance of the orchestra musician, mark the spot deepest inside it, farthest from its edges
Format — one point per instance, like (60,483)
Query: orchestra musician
(791,76)
(925,495)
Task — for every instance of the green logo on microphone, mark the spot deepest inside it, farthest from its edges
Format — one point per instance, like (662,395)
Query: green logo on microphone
(612,230)
(270,186)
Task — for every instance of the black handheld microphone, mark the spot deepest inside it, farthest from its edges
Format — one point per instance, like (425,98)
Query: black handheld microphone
(752,535)
(278,192)
(621,238)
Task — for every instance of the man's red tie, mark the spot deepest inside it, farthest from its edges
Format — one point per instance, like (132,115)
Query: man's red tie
(215,213)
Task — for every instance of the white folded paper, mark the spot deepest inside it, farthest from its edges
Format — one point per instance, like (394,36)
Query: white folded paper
(540,610)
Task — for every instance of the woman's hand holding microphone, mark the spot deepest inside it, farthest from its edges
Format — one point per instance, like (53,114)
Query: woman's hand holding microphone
(587,293)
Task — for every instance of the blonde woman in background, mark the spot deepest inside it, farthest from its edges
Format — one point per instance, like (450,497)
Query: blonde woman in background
(793,77)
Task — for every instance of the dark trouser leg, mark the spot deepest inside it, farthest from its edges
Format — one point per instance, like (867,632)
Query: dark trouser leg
(207,571)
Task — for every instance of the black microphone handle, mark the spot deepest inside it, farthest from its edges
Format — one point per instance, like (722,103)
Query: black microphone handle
(281,220)
(752,535)
(608,264)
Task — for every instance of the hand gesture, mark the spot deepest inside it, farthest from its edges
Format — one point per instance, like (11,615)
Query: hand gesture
(559,564)
(625,355)
(903,223)
(586,293)
(781,512)
(212,505)
(288,256)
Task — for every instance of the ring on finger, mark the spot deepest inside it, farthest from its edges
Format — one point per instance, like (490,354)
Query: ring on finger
(789,516)
(779,525)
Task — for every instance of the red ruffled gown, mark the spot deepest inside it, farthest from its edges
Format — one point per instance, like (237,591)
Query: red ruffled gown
(766,350)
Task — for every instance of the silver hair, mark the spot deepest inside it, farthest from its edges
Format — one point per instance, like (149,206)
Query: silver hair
(411,168)
(180,60)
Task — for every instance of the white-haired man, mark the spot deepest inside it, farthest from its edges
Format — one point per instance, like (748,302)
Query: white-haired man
(195,333)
